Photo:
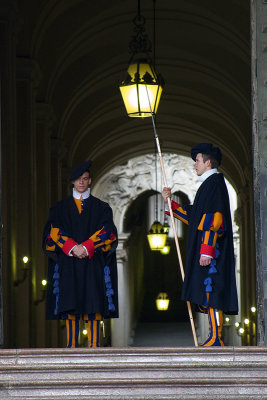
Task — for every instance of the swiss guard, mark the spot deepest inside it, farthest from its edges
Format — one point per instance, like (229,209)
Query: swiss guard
(80,240)
(210,281)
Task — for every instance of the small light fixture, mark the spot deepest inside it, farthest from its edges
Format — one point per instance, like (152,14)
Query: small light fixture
(25,259)
(253,309)
(162,301)
(25,269)
(166,249)
(246,321)
(84,332)
(141,88)
(102,325)
(241,331)
(42,298)
(156,236)
(166,227)
(227,319)
(237,324)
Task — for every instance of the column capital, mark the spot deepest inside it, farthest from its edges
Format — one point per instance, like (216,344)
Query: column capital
(28,69)
(121,250)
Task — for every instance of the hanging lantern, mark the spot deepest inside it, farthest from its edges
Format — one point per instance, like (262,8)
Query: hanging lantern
(141,87)
(141,90)
(156,236)
(162,301)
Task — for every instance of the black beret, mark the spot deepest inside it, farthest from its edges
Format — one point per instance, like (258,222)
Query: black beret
(78,171)
(206,148)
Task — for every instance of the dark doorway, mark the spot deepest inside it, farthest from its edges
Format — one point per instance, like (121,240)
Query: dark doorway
(152,273)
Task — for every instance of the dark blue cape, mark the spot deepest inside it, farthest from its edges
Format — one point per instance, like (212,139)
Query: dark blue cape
(82,287)
(211,197)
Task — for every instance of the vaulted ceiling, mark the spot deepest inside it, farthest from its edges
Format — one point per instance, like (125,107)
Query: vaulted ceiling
(202,49)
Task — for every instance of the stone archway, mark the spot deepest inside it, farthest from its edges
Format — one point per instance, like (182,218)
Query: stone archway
(120,187)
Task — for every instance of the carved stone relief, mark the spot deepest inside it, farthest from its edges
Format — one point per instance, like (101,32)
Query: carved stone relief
(124,183)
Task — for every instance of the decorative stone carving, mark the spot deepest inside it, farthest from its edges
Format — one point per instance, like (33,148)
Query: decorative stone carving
(124,183)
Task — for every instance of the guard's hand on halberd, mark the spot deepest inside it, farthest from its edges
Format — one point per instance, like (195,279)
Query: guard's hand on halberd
(166,193)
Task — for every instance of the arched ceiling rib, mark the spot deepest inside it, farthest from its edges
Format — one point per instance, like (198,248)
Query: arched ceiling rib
(202,50)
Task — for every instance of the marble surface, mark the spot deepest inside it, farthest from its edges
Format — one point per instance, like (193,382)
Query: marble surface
(134,373)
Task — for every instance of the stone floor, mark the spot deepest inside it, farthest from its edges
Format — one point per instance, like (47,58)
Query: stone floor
(166,334)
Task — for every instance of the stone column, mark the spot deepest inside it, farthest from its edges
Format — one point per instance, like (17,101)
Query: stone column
(120,327)
(8,143)
(46,332)
(27,237)
(259,105)
(244,219)
(57,153)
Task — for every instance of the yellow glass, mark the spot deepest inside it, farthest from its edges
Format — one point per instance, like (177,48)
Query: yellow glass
(141,90)
(166,249)
(157,240)
(162,302)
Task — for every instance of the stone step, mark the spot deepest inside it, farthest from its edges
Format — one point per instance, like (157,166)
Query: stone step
(134,373)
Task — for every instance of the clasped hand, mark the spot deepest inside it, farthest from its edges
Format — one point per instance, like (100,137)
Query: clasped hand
(79,251)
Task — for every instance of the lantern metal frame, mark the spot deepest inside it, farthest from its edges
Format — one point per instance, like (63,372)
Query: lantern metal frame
(141,87)
(156,236)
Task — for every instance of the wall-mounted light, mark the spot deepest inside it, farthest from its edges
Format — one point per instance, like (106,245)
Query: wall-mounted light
(162,301)
(25,259)
(25,269)
(253,309)
(44,286)
(102,326)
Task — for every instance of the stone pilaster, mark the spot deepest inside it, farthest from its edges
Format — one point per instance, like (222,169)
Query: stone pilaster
(244,219)
(8,156)
(47,333)
(259,101)
(27,238)
(121,326)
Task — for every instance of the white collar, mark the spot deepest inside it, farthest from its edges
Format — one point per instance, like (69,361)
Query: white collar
(78,195)
(206,174)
